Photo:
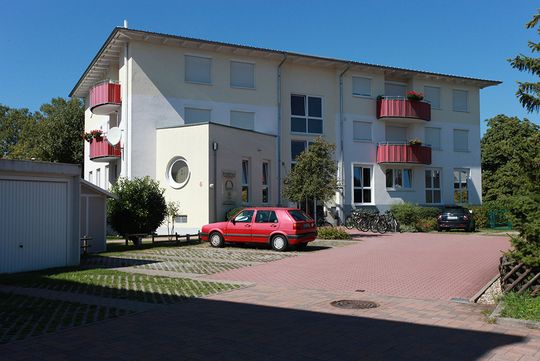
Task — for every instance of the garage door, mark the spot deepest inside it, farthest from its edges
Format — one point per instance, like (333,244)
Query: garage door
(33,225)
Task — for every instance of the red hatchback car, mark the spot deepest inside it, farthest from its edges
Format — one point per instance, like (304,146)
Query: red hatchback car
(278,227)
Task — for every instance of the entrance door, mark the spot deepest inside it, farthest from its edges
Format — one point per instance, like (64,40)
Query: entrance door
(239,228)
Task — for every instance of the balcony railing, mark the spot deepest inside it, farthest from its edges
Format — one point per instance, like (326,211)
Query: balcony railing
(105,98)
(400,107)
(403,153)
(102,151)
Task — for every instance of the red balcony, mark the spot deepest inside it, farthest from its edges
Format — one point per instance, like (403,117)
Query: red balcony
(403,153)
(103,151)
(105,98)
(397,107)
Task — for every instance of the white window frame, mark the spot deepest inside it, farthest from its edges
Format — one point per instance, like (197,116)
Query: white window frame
(468,177)
(196,108)
(371,182)
(370,86)
(440,138)
(370,131)
(98,177)
(454,100)
(306,116)
(454,140)
(440,96)
(265,186)
(307,143)
(186,70)
(397,188)
(246,184)
(230,74)
(432,189)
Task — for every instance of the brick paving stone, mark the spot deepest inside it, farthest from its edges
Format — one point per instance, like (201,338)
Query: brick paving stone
(412,265)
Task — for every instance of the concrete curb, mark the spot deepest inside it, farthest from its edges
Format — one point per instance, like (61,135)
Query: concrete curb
(512,322)
(479,294)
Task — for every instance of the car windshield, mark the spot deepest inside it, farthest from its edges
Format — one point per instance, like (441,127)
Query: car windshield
(298,215)
(455,210)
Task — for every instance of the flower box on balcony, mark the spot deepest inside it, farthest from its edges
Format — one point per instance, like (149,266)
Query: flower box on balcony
(403,153)
(396,107)
(105,98)
(102,151)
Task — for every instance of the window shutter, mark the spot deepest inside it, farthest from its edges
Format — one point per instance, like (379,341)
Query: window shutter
(461,140)
(361,86)
(433,96)
(198,69)
(433,137)
(394,90)
(245,120)
(396,134)
(361,131)
(242,74)
(460,98)
(194,115)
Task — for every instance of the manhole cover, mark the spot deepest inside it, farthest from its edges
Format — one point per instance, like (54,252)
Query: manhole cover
(354,304)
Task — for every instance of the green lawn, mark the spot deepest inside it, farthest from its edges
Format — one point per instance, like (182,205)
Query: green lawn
(116,284)
(24,316)
(521,306)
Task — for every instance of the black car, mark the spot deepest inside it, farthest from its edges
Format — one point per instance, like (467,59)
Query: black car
(455,217)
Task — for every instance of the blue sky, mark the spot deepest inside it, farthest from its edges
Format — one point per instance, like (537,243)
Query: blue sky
(46,45)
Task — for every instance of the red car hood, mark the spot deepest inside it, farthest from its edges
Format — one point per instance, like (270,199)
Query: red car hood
(220,225)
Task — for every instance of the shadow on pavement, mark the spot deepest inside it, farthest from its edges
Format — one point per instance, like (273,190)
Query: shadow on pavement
(217,330)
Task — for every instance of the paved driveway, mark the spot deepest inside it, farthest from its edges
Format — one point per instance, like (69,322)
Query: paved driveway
(415,265)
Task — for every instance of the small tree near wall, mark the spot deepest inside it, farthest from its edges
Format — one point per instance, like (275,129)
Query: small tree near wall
(314,177)
(139,207)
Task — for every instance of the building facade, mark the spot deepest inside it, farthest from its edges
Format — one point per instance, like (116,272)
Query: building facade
(220,125)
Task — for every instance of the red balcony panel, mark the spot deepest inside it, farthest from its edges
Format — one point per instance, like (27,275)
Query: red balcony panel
(403,153)
(105,98)
(402,108)
(103,151)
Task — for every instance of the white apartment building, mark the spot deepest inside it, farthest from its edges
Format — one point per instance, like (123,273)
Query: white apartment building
(220,125)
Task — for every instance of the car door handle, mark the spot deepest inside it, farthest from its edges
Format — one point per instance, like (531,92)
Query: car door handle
(247,225)
(273,225)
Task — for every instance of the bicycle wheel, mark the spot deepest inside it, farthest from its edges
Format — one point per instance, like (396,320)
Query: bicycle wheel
(363,225)
(381,225)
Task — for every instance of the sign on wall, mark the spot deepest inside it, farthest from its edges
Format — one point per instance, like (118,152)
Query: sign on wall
(228,187)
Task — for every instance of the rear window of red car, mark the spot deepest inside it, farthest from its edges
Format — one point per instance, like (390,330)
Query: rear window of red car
(298,215)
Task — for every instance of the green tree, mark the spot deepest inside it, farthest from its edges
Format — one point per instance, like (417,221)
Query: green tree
(528,93)
(139,207)
(314,177)
(13,125)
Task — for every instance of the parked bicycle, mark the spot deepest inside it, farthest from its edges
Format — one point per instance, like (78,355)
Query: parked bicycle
(373,221)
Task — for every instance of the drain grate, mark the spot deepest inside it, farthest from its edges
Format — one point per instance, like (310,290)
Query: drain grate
(354,304)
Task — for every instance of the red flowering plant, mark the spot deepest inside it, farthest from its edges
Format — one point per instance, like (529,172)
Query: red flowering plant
(417,96)
(93,134)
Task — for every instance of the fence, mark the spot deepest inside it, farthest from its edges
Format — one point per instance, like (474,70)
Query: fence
(177,238)
(519,278)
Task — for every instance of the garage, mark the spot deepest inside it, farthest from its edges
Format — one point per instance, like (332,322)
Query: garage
(39,215)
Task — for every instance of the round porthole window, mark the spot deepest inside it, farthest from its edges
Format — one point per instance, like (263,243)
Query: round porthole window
(178,172)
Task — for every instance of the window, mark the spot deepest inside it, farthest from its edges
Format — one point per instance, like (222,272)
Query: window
(396,134)
(398,179)
(106,183)
(306,114)
(194,115)
(461,140)
(432,94)
(244,216)
(98,177)
(265,182)
(181,219)
(91,177)
(178,172)
(461,100)
(245,180)
(395,89)
(242,75)
(245,120)
(361,184)
(361,86)
(362,131)
(433,137)
(297,147)
(461,194)
(433,186)
(299,215)
(198,69)
(266,217)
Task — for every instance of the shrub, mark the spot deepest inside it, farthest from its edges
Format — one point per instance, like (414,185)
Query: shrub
(426,225)
(139,207)
(332,233)
(232,212)
(480,214)
(409,214)
(524,250)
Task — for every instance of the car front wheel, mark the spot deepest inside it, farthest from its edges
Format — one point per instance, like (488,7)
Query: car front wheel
(216,240)
(279,243)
